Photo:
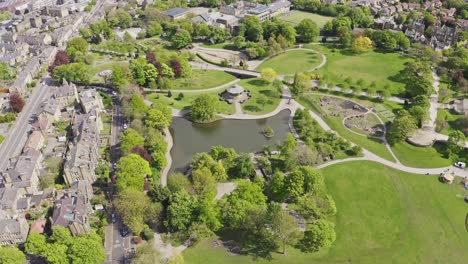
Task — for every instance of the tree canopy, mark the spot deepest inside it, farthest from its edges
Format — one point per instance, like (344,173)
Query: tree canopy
(131,172)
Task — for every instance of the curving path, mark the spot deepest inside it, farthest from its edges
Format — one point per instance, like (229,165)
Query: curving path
(170,144)
(219,87)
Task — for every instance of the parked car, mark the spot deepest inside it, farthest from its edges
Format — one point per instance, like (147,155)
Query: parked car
(113,218)
(125,126)
(460,164)
(124,231)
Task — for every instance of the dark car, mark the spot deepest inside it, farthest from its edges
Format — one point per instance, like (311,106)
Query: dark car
(124,231)
(113,218)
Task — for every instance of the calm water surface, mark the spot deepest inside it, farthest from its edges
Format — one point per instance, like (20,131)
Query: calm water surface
(242,135)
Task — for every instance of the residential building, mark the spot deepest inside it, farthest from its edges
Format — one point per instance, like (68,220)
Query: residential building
(89,100)
(35,141)
(83,154)
(177,13)
(13,231)
(8,200)
(66,95)
(71,211)
(50,110)
(23,172)
(443,36)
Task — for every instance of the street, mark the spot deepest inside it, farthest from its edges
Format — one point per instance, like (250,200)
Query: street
(17,135)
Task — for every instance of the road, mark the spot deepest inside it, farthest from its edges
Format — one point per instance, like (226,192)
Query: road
(17,135)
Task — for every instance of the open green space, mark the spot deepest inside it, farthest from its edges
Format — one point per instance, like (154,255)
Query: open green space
(372,66)
(420,157)
(336,123)
(224,45)
(450,118)
(384,216)
(295,17)
(184,103)
(106,124)
(202,79)
(265,97)
(292,61)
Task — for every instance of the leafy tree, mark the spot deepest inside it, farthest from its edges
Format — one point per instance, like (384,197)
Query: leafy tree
(129,139)
(251,29)
(142,152)
(295,184)
(159,116)
(268,74)
(132,205)
(235,206)
(321,235)
(177,182)
(204,183)
(301,83)
(166,71)
(6,72)
(119,77)
(119,18)
(181,39)
(419,113)
(315,207)
(158,193)
(61,57)
(257,237)
(243,167)
(77,47)
(85,250)
(147,253)
(150,73)
(362,44)
(153,29)
(61,235)
(35,244)
(11,255)
(154,141)
(137,105)
(209,213)
(277,186)
(307,30)
(176,68)
(401,128)
(137,68)
(203,108)
(284,227)
(16,102)
(455,142)
(56,253)
(180,211)
(418,78)
(73,72)
(131,172)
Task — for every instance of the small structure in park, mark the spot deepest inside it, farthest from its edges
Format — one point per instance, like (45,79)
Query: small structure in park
(235,93)
(447,177)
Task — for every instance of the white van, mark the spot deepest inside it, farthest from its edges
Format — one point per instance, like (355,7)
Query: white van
(460,164)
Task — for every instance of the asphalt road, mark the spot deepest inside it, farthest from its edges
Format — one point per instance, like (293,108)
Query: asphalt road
(17,135)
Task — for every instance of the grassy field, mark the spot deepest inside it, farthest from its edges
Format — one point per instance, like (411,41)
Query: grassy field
(374,145)
(451,118)
(260,89)
(106,124)
(224,45)
(202,79)
(295,17)
(381,68)
(418,157)
(185,102)
(292,61)
(384,216)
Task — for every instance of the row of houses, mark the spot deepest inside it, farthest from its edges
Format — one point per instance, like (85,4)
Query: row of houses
(230,16)
(19,183)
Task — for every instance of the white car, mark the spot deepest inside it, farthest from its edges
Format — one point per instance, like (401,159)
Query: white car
(125,126)
(460,164)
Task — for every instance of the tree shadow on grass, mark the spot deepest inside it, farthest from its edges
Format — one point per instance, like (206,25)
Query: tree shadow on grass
(258,82)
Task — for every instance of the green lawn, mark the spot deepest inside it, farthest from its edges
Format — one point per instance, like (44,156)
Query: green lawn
(295,17)
(106,123)
(382,68)
(292,61)
(418,157)
(263,90)
(202,79)
(384,216)
(224,45)
(451,118)
(185,102)
(374,145)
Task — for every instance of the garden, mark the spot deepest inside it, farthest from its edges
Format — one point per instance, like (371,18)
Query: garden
(265,96)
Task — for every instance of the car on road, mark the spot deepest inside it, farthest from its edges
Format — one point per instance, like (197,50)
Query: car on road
(460,164)
(113,218)
(114,166)
(125,126)
(124,231)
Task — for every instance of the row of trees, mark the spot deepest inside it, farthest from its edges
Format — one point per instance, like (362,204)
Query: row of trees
(60,247)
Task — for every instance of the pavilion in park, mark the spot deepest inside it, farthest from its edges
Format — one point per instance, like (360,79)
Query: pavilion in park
(235,93)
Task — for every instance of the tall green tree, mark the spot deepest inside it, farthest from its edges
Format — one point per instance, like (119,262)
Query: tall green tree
(129,139)
(204,183)
(180,211)
(307,30)
(203,108)
(11,255)
(132,206)
(84,250)
(402,127)
(131,172)
(284,227)
(320,235)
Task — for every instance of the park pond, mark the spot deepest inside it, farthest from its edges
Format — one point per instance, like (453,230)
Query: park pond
(242,135)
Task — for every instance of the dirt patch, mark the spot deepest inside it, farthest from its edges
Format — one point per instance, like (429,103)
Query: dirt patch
(230,245)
